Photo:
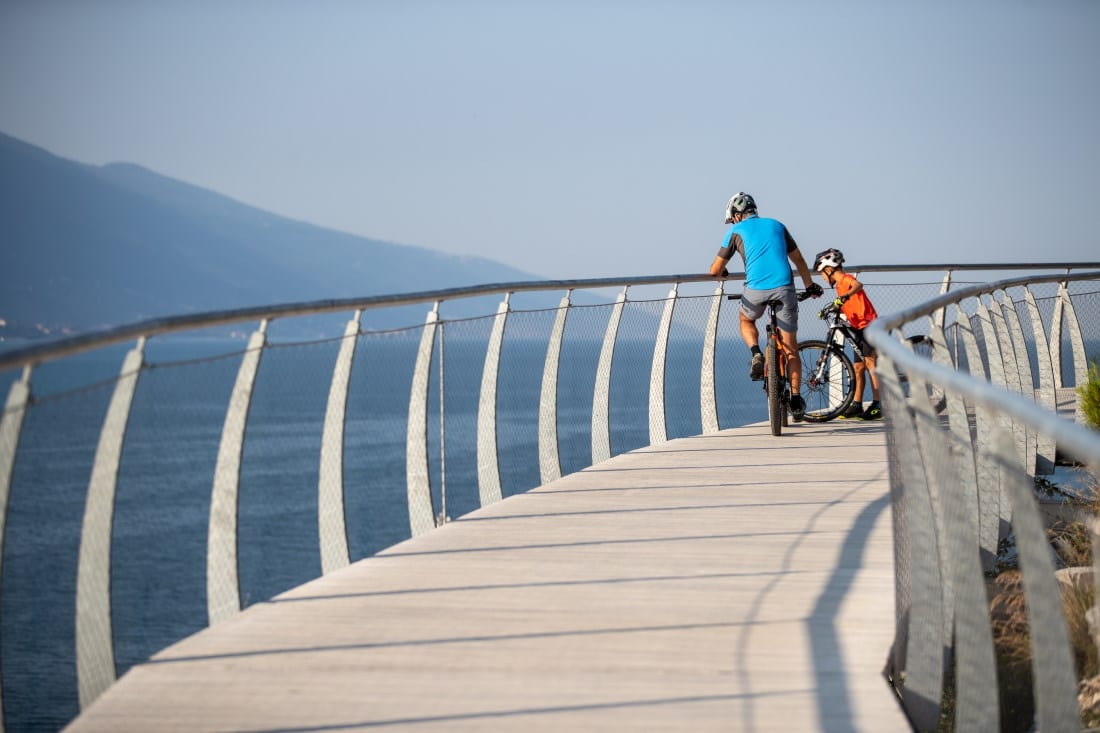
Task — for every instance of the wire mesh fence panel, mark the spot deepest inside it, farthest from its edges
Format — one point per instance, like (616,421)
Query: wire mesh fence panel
(519,395)
(41,549)
(630,375)
(455,429)
(277,522)
(162,500)
(374,440)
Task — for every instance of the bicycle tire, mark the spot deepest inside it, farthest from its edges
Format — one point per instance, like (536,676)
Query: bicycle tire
(831,396)
(775,390)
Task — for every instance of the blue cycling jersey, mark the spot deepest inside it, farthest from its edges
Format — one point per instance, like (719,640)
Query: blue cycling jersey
(764,244)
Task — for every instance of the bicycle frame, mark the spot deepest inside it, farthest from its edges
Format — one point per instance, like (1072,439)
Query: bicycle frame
(831,380)
(777,358)
(776,386)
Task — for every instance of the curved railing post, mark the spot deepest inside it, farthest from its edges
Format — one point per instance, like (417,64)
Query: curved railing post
(658,432)
(1025,375)
(708,392)
(976,707)
(922,656)
(939,317)
(223,591)
(549,460)
(601,396)
(1055,678)
(417,477)
(1056,335)
(994,362)
(95,654)
(1077,341)
(992,509)
(1010,371)
(1044,445)
(11,425)
(488,460)
(331,515)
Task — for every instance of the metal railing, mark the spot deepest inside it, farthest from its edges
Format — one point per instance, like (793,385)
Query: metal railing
(142,503)
(963,484)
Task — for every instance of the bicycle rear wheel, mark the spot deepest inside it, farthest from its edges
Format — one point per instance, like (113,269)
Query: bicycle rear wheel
(775,389)
(828,380)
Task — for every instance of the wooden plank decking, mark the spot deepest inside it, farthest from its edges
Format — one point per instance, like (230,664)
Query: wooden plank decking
(732,582)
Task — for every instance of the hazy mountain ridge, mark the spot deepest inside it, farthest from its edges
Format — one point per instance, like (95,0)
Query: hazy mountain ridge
(91,246)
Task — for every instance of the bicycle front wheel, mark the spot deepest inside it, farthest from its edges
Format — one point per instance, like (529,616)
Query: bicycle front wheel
(828,380)
(775,390)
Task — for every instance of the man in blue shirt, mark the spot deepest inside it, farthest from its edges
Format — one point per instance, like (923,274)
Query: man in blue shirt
(766,245)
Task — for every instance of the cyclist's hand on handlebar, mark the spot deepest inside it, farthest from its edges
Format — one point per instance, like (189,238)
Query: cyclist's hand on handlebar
(814,291)
(838,302)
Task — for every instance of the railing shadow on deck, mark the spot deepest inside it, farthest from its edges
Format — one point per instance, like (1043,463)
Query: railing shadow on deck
(158,477)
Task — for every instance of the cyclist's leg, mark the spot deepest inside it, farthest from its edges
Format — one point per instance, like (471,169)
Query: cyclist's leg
(794,361)
(864,366)
(869,360)
(752,307)
(750,334)
(787,320)
(861,377)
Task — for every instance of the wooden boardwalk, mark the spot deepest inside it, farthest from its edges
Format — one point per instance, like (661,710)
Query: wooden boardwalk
(731,582)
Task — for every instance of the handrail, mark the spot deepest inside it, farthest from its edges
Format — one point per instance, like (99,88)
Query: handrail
(37,353)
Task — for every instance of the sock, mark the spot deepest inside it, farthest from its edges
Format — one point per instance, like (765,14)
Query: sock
(755,350)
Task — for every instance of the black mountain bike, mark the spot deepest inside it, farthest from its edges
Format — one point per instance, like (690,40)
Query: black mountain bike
(828,376)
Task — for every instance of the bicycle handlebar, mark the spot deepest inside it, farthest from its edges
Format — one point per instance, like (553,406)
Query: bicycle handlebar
(814,291)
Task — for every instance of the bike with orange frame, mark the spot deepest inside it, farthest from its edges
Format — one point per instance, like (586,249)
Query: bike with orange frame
(776,385)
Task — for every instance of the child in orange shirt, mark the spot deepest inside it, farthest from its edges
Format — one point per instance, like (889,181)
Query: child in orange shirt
(857,308)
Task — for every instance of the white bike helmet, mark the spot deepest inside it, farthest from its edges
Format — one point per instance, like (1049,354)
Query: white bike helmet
(829,258)
(742,203)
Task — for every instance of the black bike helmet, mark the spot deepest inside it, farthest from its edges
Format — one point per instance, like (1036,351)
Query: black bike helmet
(742,203)
(829,258)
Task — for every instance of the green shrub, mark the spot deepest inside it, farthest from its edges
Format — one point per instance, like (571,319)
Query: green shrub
(1089,393)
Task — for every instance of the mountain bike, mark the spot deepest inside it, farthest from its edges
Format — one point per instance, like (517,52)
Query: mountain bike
(828,374)
(776,355)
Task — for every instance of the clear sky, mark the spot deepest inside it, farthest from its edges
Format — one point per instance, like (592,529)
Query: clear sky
(594,138)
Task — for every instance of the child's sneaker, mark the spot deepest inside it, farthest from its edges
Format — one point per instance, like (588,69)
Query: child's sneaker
(854,412)
(874,412)
(798,407)
(756,371)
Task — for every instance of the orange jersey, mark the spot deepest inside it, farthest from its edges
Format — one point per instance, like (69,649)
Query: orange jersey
(858,308)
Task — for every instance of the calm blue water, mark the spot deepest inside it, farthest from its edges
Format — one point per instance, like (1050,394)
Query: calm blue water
(163,491)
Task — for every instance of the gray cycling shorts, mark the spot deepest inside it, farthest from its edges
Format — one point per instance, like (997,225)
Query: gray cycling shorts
(752,306)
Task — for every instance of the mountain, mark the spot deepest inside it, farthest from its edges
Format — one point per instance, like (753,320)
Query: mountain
(84,247)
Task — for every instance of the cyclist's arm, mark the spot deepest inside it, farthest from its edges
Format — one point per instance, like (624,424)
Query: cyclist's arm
(718,267)
(803,269)
(857,286)
(725,253)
